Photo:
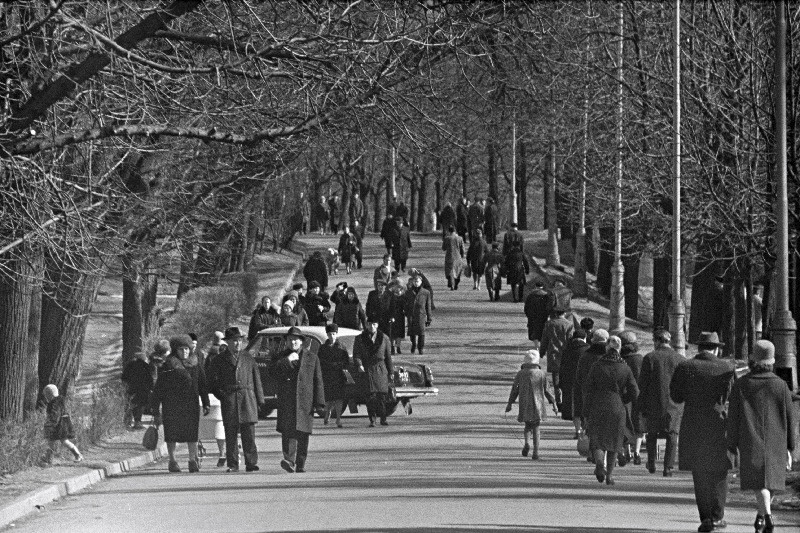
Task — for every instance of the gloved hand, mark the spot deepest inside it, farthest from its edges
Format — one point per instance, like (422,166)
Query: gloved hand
(508,408)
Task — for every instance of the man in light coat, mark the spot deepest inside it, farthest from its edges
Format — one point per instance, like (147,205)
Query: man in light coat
(453,246)
(298,375)
(703,384)
(234,379)
(662,415)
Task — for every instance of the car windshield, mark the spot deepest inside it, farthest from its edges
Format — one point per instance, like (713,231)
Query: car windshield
(272,344)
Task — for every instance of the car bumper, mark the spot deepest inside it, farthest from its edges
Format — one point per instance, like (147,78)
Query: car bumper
(415,392)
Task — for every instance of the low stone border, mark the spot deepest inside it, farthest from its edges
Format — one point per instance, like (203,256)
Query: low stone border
(38,499)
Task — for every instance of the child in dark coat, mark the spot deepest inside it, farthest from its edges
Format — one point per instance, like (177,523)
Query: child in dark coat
(530,386)
(58,426)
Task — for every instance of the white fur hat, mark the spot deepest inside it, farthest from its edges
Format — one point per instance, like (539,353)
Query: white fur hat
(532,357)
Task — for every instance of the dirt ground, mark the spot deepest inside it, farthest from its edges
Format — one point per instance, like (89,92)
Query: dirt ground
(102,360)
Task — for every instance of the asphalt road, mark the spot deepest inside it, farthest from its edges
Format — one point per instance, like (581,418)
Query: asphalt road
(453,465)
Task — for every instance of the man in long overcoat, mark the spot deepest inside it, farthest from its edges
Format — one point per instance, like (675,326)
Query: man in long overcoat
(372,354)
(234,379)
(662,415)
(538,305)
(557,333)
(453,246)
(517,270)
(567,369)
(703,384)
(490,221)
(418,313)
(447,218)
(301,392)
(513,238)
(462,218)
(425,283)
(475,217)
(388,231)
(358,233)
(356,210)
(401,245)
(316,270)
(384,273)
(596,350)
(334,213)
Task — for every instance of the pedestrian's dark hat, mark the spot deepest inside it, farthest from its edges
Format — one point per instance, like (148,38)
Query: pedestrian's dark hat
(294,331)
(297,286)
(709,339)
(232,333)
(314,285)
(193,336)
(332,328)
(180,341)
(373,319)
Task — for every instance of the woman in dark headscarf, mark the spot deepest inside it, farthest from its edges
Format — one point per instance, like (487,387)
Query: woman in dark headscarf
(349,312)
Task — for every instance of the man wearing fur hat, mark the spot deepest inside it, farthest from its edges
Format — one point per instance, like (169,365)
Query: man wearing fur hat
(234,379)
(703,384)
(317,304)
(298,374)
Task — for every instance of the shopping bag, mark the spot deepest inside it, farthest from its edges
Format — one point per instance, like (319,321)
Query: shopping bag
(583,444)
(150,438)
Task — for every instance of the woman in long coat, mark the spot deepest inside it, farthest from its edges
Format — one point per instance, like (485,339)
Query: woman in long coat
(347,249)
(401,246)
(530,386)
(393,320)
(630,354)
(349,312)
(572,353)
(453,246)
(475,253)
(760,426)
(177,389)
(609,386)
(333,359)
(517,270)
(374,358)
(492,266)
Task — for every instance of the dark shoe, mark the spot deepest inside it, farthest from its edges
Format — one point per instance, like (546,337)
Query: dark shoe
(399,351)
(393,350)
(600,473)
(372,423)
(220,462)
(194,467)
(286,465)
(252,468)
(705,526)
(768,525)
(609,480)
(535,456)
(667,472)
(232,469)
(420,351)
(413,348)
(525,450)
(173,467)
(300,470)
(637,459)
(384,423)
(759,524)
(651,465)
(623,458)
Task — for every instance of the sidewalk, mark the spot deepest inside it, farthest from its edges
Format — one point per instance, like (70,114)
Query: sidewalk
(32,489)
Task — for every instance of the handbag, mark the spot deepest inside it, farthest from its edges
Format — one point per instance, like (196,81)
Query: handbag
(583,444)
(467,270)
(150,438)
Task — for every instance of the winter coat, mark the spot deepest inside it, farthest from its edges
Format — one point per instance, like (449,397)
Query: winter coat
(570,356)
(517,267)
(609,386)
(538,305)
(557,333)
(761,426)
(447,218)
(236,382)
(492,266)
(389,231)
(138,379)
(418,310)
(630,354)
(316,316)
(562,297)
(300,390)
(401,245)
(291,318)
(530,385)
(462,224)
(661,414)
(356,211)
(374,306)
(350,314)
(347,248)
(475,256)
(333,359)
(262,318)
(176,391)
(383,275)
(393,320)
(316,270)
(490,222)
(453,246)
(513,239)
(703,384)
(321,213)
(585,363)
(58,424)
(474,218)
(376,358)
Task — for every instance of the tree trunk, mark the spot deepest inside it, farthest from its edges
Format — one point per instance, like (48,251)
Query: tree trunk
(132,325)
(69,295)
(34,332)
(464,175)
(438,188)
(422,200)
(15,309)
(522,186)
(631,282)
(413,204)
(186,276)
(606,261)
(662,275)
(492,168)
(708,303)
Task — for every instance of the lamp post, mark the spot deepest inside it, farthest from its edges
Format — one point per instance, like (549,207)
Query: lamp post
(580,287)
(677,307)
(784,328)
(553,258)
(617,305)
(513,199)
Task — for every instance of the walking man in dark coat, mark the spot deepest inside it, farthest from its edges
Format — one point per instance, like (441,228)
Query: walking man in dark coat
(557,333)
(358,233)
(447,218)
(490,221)
(388,229)
(662,416)
(703,384)
(316,270)
(475,217)
(138,379)
(537,308)
(462,218)
(513,238)
(334,213)
(316,305)
(234,379)
(401,245)
(372,354)
(356,210)
(418,313)
(298,374)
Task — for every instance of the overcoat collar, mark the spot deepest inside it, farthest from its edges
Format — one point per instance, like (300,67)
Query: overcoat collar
(705,355)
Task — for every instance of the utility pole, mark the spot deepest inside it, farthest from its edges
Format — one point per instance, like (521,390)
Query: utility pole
(677,307)
(617,304)
(784,328)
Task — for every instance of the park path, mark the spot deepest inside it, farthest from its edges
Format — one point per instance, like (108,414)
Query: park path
(454,465)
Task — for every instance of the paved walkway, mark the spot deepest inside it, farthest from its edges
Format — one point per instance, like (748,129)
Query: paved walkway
(454,465)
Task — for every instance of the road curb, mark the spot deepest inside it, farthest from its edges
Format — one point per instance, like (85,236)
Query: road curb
(37,500)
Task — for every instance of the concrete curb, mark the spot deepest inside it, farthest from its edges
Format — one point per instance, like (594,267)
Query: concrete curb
(38,499)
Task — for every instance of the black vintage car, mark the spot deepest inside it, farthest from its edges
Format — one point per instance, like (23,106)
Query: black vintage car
(410,380)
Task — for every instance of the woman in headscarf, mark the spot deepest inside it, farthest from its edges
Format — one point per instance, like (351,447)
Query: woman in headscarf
(349,312)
